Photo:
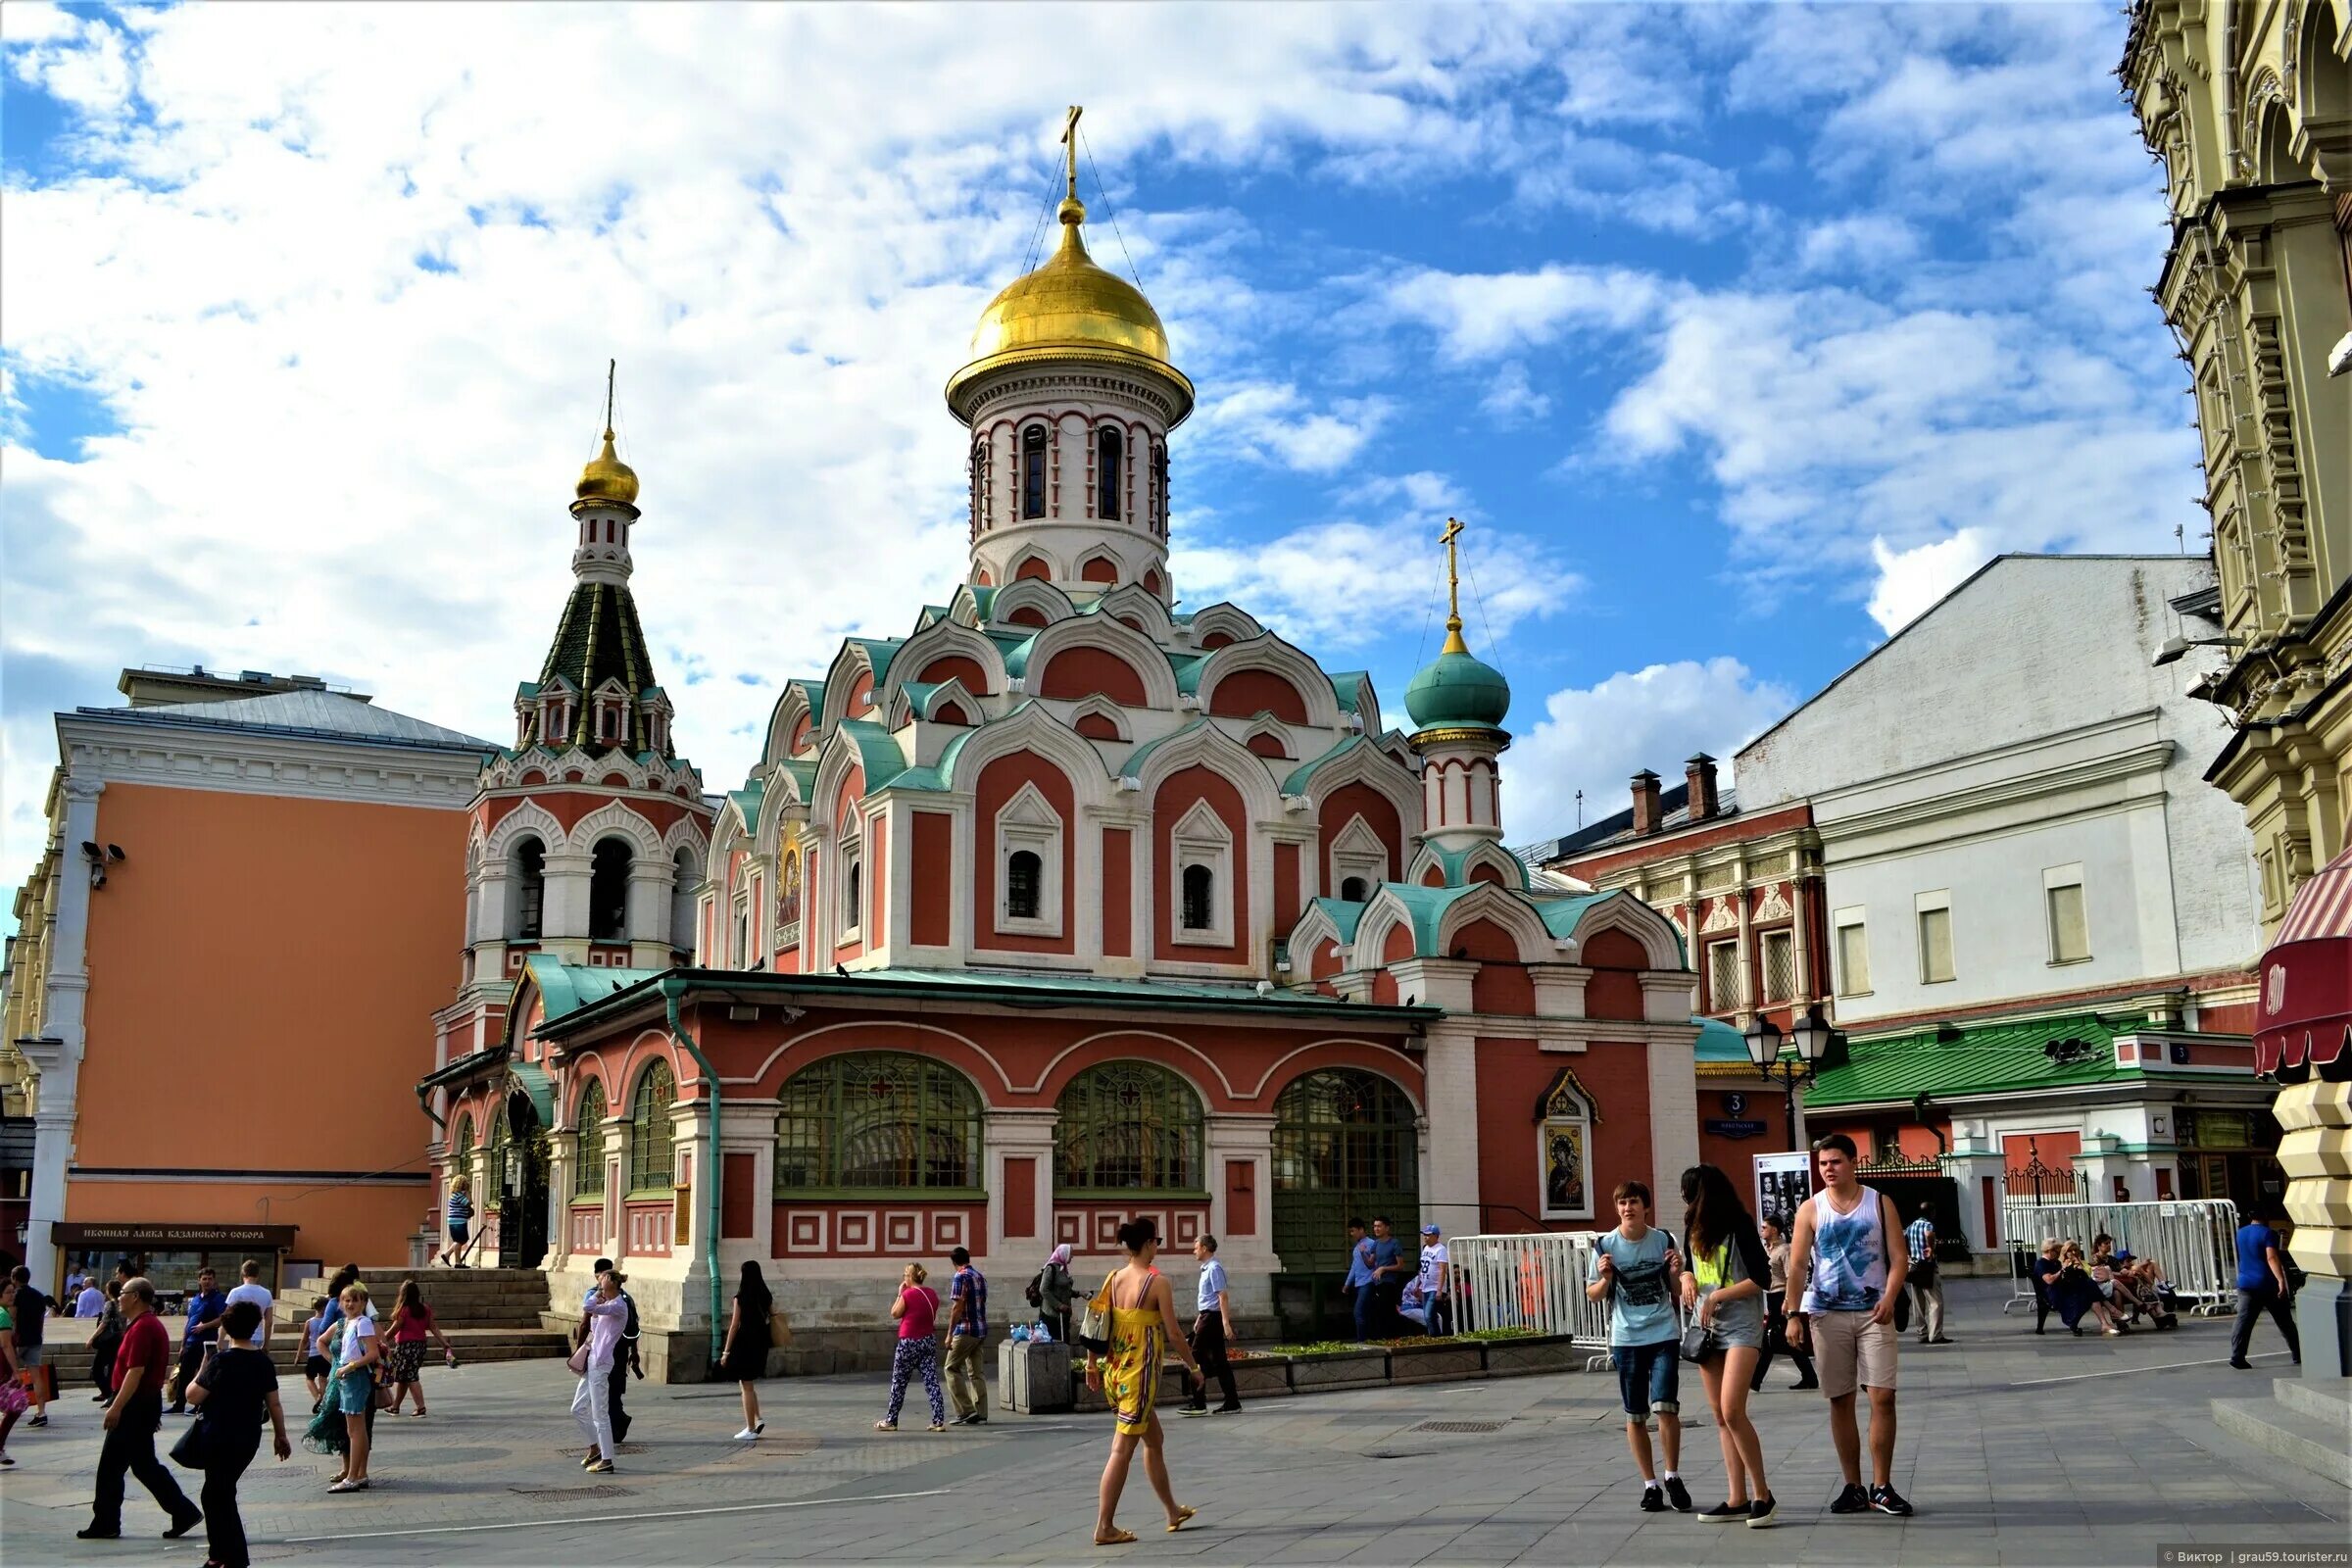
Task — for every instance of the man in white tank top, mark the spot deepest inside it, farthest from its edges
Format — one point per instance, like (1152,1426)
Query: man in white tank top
(1849,1260)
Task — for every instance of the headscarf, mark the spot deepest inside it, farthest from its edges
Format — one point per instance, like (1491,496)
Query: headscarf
(1060,1257)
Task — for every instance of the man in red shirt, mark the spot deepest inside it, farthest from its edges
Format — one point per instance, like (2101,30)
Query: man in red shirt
(140,1368)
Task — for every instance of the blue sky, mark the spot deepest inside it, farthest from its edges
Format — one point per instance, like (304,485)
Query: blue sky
(1736,335)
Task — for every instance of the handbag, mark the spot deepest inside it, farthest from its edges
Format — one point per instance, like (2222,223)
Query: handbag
(194,1450)
(779,1331)
(1093,1329)
(1698,1341)
(578,1362)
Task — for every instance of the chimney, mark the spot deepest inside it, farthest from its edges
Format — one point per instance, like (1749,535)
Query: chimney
(1646,813)
(1699,773)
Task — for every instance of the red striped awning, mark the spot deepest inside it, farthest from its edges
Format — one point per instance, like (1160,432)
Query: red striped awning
(2305,1011)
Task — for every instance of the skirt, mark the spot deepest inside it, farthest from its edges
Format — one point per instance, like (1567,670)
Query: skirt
(407,1356)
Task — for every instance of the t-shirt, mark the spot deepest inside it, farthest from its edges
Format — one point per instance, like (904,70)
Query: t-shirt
(239,1381)
(1212,1283)
(1385,1252)
(1432,1277)
(1642,1306)
(146,1344)
(461,1209)
(1359,1261)
(258,1296)
(1916,1235)
(410,1328)
(205,1307)
(91,1303)
(310,1335)
(31,1312)
(921,1318)
(357,1332)
(2254,1244)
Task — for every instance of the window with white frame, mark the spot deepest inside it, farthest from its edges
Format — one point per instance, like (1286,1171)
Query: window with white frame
(1358,856)
(1564,1149)
(2068,921)
(1779,952)
(851,885)
(1934,914)
(1029,851)
(1853,952)
(1201,903)
(1722,975)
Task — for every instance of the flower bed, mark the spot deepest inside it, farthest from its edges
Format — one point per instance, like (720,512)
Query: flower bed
(1310,1368)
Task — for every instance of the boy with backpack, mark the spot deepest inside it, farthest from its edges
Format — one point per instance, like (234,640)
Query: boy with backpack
(1635,1268)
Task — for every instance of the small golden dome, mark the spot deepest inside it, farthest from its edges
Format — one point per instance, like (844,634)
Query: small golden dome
(607,478)
(1069,305)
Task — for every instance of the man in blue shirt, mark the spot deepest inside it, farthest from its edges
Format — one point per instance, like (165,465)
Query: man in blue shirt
(2261,1287)
(1390,1271)
(1358,1285)
(206,1303)
(967,1331)
(1213,1327)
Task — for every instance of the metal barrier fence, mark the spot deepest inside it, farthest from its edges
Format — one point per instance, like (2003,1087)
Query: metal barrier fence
(2193,1241)
(1534,1281)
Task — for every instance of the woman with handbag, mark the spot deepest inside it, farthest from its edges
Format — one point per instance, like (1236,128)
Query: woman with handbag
(1723,1291)
(13,1399)
(743,1356)
(1131,1323)
(342,1425)
(231,1394)
(916,1312)
(608,1315)
(1056,1290)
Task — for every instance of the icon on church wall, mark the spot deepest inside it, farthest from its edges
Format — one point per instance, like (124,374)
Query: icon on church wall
(1564,1168)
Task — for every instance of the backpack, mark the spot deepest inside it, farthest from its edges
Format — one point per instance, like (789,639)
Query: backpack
(1035,1291)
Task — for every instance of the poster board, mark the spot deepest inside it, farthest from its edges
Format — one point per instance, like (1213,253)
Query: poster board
(1782,1181)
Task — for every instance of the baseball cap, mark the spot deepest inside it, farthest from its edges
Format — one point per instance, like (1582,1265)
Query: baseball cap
(1428,1230)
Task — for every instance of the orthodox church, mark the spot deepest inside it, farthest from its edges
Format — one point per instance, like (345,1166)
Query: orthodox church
(1064,906)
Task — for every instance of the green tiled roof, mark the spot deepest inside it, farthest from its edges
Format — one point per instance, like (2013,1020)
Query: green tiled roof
(1719,1042)
(1304,775)
(1344,915)
(598,640)
(878,755)
(1997,1057)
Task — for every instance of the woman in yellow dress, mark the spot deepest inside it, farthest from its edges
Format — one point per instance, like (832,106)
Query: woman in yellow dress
(1143,1325)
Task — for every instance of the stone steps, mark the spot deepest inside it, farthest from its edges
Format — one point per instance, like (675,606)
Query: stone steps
(2305,1428)
(474,1345)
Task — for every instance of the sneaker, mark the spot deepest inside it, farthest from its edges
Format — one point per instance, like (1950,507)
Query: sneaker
(1652,1499)
(1942,1339)
(38,1421)
(1226,1409)
(93,1533)
(1762,1511)
(1192,1409)
(1853,1498)
(183,1525)
(1724,1513)
(1678,1493)
(602,1467)
(1886,1499)
(2242,1366)
(1802,1384)
(747,1435)
(6,1463)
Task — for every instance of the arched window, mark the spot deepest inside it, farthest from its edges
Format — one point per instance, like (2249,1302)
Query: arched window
(588,1158)
(1033,471)
(529,901)
(1352,890)
(1200,883)
(460,1148)
(878,1119)
(650,1132)
(1124,1126)
(608,891)
(1160,487)
(788,901)
(1347,1142)
(1024,871)
(853,889)
(1110,454)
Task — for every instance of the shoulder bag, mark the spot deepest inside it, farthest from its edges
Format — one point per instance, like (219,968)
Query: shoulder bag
(1093,1329)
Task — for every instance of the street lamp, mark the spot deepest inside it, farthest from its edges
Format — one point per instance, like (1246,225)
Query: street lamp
(1814,1039)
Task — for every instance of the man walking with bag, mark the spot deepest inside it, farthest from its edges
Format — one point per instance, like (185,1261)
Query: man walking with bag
(1926,1288)
(140,1368)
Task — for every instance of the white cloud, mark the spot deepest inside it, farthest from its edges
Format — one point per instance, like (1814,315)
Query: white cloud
(1595,738)
(1270,423)
(1912,580)
(1484,315)
(1510,398)
(1863,242)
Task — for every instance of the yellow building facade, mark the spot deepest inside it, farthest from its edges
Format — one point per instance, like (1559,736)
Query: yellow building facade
(2249,105)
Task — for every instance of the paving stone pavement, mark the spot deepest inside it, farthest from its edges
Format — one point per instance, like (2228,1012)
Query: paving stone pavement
(2016,1449)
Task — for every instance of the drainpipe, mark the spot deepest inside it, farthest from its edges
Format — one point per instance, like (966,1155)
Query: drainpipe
(672,987)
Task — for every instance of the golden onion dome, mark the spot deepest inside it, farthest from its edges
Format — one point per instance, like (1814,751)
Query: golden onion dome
(607,478)
(1069,306)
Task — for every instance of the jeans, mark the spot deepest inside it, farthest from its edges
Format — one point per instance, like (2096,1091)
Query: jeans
(1649,1377)
(2251,1305)
(1775,1341)
(1208,1348)
(129,1448)
(224,1530)
(592,1408)
(913,1357)
(614,1388)
(966,1383)
(1363,1312)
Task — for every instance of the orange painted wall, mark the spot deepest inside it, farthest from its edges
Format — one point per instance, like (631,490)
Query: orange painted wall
(254,933)
(1379,814)
(1615,989)
(1119,893)
(1247,693)
(934,864)
(1286,886)
(1512,1076)
(1077,672)
(955,666)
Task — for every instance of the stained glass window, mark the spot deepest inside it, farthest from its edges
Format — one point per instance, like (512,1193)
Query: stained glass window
(878,1119)
(1125,1126)
(588,1163)
(650,1131)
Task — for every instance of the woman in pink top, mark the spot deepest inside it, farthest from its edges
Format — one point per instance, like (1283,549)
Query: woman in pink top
(591,1401)
(918,1312)
(412,1324)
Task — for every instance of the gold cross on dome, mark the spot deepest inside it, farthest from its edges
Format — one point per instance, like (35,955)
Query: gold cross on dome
(1069,140)
(1453,587)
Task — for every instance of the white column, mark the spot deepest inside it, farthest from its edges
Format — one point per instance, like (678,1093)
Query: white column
(56,1055)
(1673,1057)
(1449,1190)
(564,915)
(1251,1261)
(650,886)
(749,1127)
(1023,1134)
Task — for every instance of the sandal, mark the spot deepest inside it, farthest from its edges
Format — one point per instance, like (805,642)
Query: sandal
(886,1426)
(939,1426)
(1184,1516)
(1118,1537)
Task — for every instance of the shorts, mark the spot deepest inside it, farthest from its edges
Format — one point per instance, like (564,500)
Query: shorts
(1649,1377)
(317,1366)
(29,1356)
(1849,1349)
(458,1232)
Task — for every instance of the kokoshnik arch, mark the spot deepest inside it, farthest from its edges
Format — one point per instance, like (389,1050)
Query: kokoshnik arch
(1064,906)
